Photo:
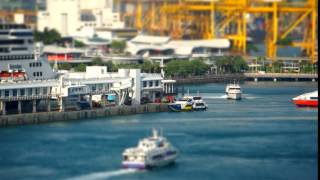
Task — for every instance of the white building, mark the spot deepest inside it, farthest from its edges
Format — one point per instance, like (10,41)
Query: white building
(79,17)
(125,82)
(162,47)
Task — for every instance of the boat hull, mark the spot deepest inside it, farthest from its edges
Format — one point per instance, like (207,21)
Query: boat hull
(199,108)
(175,107)
(150,165)
(234,96)
(306,103)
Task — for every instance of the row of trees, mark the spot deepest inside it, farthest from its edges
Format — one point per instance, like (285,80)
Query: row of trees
(179,68)
(231,64)
(146,67)
(184,68)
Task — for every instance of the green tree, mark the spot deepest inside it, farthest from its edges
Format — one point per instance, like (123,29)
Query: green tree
(97,61)
(239,64)
(111,67)
(79,44)
(306,67)
(80,67)
(48,36)
(65,66)
(118,46)
(198,67)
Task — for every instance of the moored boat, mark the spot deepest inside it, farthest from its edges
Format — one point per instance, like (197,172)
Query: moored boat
(154,151)
(198,102)
(183,104)
(307,100)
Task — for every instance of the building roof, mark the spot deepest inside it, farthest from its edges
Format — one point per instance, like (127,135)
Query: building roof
(180,47)
(145,39)
(28,84)
(61,50)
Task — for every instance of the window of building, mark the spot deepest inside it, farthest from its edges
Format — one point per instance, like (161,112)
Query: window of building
(144,84)
(37,91)
(14,92)
(93,87)
(45,90)
(22,92)
(157,83)
(6,93)
(150,83)
(29,91)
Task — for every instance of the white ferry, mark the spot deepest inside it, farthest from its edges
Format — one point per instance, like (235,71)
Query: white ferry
(151,152)
(233,91)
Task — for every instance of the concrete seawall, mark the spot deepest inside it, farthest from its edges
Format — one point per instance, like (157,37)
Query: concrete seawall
(47,117)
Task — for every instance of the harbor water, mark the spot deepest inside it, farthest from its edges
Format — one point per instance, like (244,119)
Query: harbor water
(263,136)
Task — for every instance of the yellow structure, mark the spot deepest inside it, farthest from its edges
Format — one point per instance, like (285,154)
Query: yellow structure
(207,19)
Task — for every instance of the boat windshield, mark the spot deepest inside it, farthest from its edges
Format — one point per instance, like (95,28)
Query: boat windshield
(197,98)
(199,104)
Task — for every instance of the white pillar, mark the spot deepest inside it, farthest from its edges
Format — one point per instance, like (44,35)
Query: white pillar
(19,107)
(61,104)
(48,105)
(172,85)
(3,107)
(90,101)
(34,106)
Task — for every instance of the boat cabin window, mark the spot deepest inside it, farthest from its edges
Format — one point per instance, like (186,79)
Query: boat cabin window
(314,98)
(199,104)
(125,158)
(196,98)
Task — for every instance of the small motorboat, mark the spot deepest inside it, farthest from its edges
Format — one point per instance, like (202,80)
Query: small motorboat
(307,100)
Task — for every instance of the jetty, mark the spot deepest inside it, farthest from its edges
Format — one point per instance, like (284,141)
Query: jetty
(56,116)
(221,78)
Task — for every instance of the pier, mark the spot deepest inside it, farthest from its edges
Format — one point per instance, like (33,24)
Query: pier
(55,116)
(220,78)
(281,76)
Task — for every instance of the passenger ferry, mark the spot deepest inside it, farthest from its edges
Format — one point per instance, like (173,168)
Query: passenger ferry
(233,91)
(307,100)
(154,151)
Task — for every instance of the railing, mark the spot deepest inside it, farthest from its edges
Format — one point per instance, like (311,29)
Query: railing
(24,98)
(281,75)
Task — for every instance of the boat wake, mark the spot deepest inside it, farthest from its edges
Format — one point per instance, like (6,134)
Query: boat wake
(223,96)
(104,175)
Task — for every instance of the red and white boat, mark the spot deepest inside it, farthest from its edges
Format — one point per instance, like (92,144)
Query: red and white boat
(307,99)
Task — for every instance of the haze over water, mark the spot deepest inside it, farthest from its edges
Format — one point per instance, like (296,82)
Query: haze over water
(263,136)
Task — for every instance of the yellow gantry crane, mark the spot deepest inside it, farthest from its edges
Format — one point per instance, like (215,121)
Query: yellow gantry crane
(208,19)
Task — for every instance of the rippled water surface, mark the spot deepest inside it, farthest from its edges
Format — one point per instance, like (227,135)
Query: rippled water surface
(263,136)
